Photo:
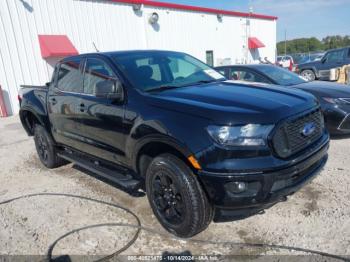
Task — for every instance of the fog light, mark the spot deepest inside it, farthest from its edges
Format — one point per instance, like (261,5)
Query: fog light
(238,187)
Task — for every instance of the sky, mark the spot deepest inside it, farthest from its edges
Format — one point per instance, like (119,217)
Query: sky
(298,18)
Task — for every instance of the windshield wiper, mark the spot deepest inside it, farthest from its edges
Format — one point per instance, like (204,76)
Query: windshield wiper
(167,87)
(205,82)
(161,88)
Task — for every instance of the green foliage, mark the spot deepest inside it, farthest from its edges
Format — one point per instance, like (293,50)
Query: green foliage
(305,45)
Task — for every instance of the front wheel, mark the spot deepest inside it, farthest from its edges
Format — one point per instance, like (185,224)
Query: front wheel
(176,197)
(308,74)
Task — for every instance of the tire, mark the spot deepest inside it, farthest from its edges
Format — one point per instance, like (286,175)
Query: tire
(176,197)
(308,74)
(46,149)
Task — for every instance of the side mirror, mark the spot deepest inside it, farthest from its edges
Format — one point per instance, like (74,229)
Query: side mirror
(110,89)
(47,84)
(323,60)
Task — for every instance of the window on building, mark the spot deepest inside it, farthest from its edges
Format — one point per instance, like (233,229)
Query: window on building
(96,71)
(69,77)
(210,58)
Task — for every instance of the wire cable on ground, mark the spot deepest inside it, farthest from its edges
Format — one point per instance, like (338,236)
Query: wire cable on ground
(139,227)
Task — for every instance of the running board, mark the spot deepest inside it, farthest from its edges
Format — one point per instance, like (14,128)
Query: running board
(124,180)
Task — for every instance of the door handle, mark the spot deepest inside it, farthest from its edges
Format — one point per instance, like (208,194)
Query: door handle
(53,101)
(82,107)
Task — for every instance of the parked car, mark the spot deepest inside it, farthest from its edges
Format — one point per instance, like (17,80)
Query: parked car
(285,62)
(320,69)
(334,98)
(204,148)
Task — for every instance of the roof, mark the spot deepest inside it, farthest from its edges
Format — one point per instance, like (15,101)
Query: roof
(56,46)
(252,66)
(122,52)
(195,8)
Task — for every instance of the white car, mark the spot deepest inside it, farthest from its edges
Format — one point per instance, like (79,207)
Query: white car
(284,61)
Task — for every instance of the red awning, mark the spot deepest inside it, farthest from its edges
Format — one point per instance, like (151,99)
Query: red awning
(56,46)
(254,43)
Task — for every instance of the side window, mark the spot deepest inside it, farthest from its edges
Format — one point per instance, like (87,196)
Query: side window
(96,71)
(69,77)
(336,56)
(247,76)
(222,71)
(237,75)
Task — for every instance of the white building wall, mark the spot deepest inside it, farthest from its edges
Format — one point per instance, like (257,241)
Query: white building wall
(114,26)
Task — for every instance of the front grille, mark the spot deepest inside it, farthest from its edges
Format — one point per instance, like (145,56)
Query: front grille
(289,138)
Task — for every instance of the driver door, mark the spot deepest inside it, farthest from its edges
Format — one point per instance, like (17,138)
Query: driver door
(103,118)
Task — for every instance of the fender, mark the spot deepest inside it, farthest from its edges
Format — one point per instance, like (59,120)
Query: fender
(312,68)
(157,138)
(316,71)
(34,101)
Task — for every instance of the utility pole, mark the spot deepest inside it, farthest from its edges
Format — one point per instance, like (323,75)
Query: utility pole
(285,42)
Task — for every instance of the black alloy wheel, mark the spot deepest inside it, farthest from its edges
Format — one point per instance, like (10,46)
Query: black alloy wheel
(176,196)
(46,149)
(168,198)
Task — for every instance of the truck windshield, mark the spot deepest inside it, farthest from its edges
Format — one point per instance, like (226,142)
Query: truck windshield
(149,71)
(282,76)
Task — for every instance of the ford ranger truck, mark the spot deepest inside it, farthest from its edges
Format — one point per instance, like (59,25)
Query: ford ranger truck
(202,148)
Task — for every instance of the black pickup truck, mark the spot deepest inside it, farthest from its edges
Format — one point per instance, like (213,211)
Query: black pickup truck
(201,147)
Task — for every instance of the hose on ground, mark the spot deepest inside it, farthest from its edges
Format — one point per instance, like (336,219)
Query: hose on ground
(138,226)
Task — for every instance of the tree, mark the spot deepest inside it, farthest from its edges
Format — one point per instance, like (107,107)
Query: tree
(312,44)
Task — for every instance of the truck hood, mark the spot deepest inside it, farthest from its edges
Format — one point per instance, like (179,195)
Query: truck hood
(326,89)
(235,103)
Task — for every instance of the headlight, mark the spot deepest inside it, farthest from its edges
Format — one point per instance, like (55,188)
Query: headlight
(248,135)
(337,101)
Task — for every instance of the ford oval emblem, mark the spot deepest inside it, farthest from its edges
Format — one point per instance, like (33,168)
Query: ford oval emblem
(308,129)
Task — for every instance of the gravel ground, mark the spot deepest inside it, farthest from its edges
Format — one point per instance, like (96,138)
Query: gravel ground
(317,217)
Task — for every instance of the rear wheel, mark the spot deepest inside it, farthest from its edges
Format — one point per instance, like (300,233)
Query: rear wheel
(176,197)
(46,149)
(308,74)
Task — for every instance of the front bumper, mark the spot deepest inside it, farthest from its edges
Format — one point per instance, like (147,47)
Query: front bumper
(268,187)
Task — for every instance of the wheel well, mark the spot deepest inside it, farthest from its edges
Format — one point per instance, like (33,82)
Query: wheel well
(310,69)
(153,149)
(29,120)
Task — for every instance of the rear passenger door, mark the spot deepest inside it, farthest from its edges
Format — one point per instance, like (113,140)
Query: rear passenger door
(102,118)
(63,101)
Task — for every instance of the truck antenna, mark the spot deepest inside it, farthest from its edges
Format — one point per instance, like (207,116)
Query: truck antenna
(95,47)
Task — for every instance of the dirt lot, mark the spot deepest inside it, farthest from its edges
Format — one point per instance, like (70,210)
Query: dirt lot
(317,217)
